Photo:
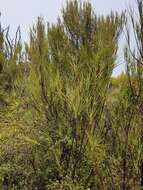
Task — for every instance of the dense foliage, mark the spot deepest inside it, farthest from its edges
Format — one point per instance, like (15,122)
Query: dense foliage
(65,122)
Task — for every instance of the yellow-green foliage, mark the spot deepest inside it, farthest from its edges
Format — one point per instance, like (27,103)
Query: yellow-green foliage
(65,122)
